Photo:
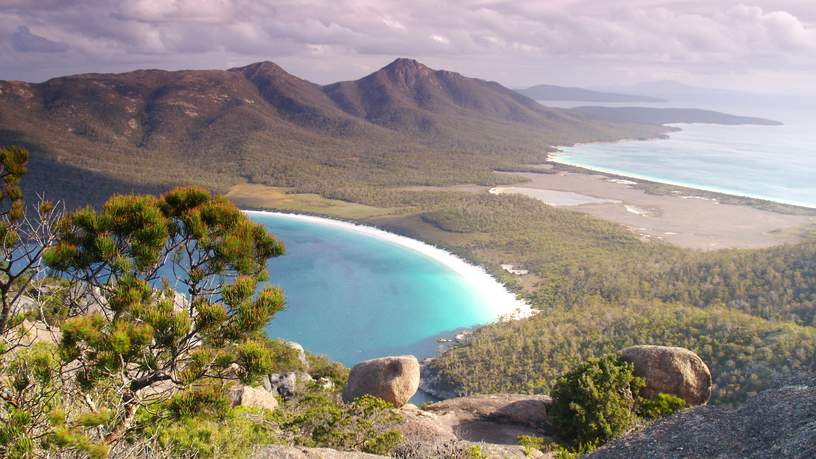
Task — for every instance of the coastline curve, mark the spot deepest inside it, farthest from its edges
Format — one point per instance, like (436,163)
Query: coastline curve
(503,304)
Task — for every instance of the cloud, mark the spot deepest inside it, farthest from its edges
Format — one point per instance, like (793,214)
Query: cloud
(22,40)
(440,39)
(681,36)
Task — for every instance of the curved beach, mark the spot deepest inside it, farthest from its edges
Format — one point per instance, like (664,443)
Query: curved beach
(758,162)
(503,304)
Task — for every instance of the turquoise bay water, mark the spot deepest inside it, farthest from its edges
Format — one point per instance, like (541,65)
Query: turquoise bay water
(353,297)
(776,163)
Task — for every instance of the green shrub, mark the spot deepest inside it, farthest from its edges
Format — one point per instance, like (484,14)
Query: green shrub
(321,366)
(557,450)
(596,401)
(319,419)
(662,405)
(234,433)
(529,443)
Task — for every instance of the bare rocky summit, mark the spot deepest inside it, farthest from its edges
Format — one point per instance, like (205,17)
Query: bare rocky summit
(778,422)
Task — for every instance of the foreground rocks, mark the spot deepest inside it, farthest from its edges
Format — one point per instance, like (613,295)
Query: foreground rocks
(775,423)
(393,379)
(494,422)
(671,370)
(254,397)
(296,452)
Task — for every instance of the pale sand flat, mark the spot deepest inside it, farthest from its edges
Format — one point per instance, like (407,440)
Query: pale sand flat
(553,197)
(693,223)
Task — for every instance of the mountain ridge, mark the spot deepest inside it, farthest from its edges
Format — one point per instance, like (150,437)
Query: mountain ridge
(258,123)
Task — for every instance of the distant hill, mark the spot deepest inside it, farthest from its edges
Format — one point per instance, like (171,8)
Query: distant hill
(545,92)
(648,115)
(150,129)
(405,124)
(681,94)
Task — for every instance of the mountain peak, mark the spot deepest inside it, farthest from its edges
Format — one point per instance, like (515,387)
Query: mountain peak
(406,64)
(255,68)
(404,72)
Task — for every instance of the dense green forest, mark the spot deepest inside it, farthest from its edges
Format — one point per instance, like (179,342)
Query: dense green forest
(744,353)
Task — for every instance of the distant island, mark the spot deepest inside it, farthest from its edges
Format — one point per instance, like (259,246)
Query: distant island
(649,115)
(545,92)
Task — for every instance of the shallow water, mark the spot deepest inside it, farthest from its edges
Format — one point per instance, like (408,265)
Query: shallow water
(353,296)
(776,163)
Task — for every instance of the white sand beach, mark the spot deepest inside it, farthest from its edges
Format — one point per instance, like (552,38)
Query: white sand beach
(504,304)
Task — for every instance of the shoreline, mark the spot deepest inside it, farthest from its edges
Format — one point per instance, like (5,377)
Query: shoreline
(504,304)
(552,158)
(763,202)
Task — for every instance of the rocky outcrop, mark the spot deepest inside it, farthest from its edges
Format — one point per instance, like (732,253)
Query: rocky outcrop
(775,423)
(457,449)
(528,410)
(671,370)
(297,452)
(301,353)
(495,419)
(283,384)
(254,397)
(393,379)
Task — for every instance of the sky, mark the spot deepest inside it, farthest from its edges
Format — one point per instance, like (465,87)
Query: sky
(754,45)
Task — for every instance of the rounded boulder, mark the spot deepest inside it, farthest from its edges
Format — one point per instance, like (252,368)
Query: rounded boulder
(393,379)
(671,370)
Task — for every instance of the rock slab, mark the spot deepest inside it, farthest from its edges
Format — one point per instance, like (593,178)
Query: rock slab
(775,423)
(494,419)
(671,370)
(254,397)
(393,379)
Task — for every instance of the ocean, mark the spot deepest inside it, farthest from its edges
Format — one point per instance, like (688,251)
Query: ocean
(355,293)
(775,163)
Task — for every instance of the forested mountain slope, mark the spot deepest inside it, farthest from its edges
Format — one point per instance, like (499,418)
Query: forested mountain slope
(155,128)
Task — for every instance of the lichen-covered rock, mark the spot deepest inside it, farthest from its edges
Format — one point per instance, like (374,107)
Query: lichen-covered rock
(393,379)
(284,384)
(671,370)
(254,397)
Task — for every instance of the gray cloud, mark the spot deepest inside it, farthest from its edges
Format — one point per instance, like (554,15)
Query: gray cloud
(519,42)
(22,40)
